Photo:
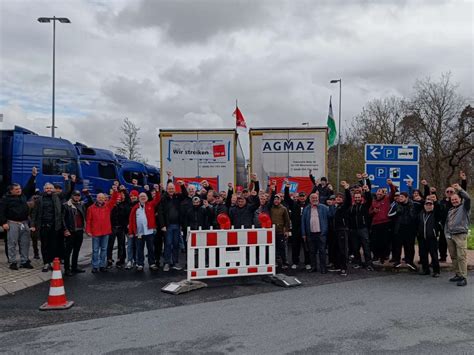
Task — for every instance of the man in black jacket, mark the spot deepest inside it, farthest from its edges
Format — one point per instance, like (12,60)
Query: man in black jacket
(295,208)
(428,229)
(243,212)
(404,232)
(359,227)
(14,213)
(119,220)
(169,214)
(47,218)
(74,220)
(198,215)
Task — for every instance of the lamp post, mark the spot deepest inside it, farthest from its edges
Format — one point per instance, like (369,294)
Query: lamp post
(339,132)
(48,20)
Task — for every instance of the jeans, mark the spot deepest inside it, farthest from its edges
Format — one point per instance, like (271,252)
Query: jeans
(132,249)
(99,251)
(158,244)
(19,233)
(360,237)
(317,247)
(296,243)
(119,234)
(172,244)
(141,241)
(73,245)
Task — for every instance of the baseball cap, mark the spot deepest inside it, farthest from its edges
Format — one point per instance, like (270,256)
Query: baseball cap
(302,194)
(196,199)
(76,193)
(332,197)
(134,193)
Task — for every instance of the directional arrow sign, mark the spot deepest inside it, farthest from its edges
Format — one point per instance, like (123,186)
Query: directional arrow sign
(400,174)
(375,153)
(392,153)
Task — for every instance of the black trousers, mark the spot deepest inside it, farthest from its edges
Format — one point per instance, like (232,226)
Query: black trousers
(443,245)
(332,245)
(52,244)
(428,246)
(118,233)
(158,241)
(297,242)
(280,248)
(380,240)
(341,239)
(404,237)
(34,239)
(317,248)
(72,245)
(360,238)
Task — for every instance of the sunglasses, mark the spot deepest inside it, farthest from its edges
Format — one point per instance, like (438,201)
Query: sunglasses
(449,191)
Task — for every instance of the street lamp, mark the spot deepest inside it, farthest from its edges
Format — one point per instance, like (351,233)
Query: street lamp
(48,20)
(339,132)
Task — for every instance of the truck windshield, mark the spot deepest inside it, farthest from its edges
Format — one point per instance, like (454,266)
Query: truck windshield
(57,166)
(153,178)
(130,175)
(107,171)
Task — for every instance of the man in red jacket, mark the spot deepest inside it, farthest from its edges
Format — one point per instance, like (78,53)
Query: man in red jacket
(99,227)
(381,224)
(142,223)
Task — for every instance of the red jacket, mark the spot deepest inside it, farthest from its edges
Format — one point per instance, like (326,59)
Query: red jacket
(383,207)
(149,211)
(98,217)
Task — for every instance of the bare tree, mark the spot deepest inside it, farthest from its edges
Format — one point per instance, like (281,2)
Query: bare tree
(380,122)
(438,123)
(129,142)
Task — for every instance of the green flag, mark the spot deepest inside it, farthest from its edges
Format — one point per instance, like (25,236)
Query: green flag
(332,133)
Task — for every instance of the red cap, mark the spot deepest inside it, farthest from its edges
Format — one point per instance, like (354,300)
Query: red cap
(134,193)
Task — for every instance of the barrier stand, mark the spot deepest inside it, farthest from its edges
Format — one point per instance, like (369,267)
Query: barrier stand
(229,253)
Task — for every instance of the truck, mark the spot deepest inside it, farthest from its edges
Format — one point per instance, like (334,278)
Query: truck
(194,155)
(279,153)
(22,149)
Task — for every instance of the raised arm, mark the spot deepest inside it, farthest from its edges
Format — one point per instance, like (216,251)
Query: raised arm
(29,188)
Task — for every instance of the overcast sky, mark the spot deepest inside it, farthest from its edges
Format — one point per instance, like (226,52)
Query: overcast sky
(182,64)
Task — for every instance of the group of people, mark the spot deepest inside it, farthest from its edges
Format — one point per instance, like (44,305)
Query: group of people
(331,230)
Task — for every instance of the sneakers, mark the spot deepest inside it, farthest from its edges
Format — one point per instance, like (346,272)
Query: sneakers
(110,264)
(308,267)
(370,268)
(412,267)
(103,269)
(397,265)
(294,267)
(456,278)
(179,268)
(284,267)
(154,267)
(37,257)
(343,272)
(78,271)
(13,266)
(378,262)
(68,273)
(166,268)
(356,266)
(95,270)
(45,268)
(140,268)
(462,282)
(334,269)
(436,275)
(129,265)
(26,265)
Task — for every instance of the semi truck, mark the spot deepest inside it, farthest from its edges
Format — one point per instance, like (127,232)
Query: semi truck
(195,155)
(292,153)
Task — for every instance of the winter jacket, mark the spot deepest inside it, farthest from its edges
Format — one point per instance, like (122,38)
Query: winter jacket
(340,213)
(405,216)
(39,209)
(197,216)
(242,216)
(15,208)
(71,209)
(359,213)
(98,217)
(214,211)
(457,221)
(149,212)
(296,209)
(121,213)
(428,224)
(169,209)
(382,207)
(280,218)
(324,213)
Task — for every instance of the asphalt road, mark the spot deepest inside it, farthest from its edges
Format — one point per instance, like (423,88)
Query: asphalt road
(397,313)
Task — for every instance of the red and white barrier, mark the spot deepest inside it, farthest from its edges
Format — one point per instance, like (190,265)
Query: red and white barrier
(229,253)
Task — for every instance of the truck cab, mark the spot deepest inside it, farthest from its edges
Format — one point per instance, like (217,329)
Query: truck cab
(152,174)
(99,168)
(129,171)
(22,149)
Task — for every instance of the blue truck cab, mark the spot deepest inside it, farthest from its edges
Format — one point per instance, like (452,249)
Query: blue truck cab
(22,149)
(99,168)
(130,170)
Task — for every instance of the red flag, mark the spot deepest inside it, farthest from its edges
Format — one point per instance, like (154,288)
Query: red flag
(239,119)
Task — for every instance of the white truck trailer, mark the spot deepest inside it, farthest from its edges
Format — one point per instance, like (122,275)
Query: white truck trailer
(276,153)
(195,155)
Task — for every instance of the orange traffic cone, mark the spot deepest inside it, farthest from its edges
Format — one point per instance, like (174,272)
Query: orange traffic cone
(57,295)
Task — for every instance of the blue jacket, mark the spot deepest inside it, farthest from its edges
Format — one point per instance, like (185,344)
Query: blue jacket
(324,215)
